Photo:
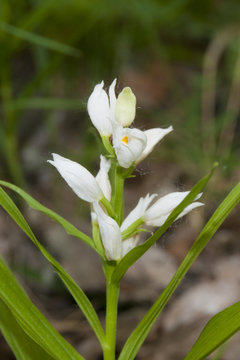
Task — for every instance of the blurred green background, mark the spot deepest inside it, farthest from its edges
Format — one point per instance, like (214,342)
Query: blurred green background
(182,59)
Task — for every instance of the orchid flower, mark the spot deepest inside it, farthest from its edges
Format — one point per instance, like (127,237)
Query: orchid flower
(110,233)
(115,248)
(131,242)
(82,182)
(158,213)
(128,144)
(112,115)
(138,211)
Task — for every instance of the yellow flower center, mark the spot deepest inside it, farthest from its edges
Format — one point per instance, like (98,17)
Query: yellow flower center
(125,140)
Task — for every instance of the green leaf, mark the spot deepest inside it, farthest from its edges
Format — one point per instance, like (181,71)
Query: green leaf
(138,336)
(39,40)
(70,229)
(77,293)
(23,347)
(220,328)
(34,324)
(138,251)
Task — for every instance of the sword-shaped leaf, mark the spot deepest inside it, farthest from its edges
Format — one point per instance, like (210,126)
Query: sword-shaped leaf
(138,336)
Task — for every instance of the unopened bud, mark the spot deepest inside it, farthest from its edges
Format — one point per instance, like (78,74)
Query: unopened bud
(125,107)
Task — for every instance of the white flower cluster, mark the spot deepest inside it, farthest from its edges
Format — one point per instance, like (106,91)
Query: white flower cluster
(112,117)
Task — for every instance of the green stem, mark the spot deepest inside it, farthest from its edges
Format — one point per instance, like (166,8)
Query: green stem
(118,195)
(111,315)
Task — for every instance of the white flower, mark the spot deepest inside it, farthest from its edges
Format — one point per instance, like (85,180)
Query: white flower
(110,116)
(158,213)
(128,144)
(103,178)
(99,110)
(110,234)
(153,137)
(125,109)
(82,182)
(104,109)
(138,211)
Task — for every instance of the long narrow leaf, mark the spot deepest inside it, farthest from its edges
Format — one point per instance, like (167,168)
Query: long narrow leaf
(39,40)
(23,347)
(138,336)
(138,251)
(77,293)
(34,324)
(70,229)
(220,328)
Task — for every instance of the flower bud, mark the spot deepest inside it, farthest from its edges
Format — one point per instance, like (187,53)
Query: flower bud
(125,107)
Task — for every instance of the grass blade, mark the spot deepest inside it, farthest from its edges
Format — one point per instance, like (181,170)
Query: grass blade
(39,40)
(23,347)
(220,328)
(77,293)
(34,324)
(34,204)
(45,104)
(138,336)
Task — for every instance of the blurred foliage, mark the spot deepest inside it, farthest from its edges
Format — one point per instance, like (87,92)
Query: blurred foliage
(53,51)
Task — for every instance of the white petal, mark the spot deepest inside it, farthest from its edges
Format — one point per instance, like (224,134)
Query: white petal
(161,220)
(189,208)
(153,137)
(78,178)
(138,211)
(99,110)
(128,144)
(164,205)
(102,177)
(162,208)
(129,244)
(110,234)
(112,98)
